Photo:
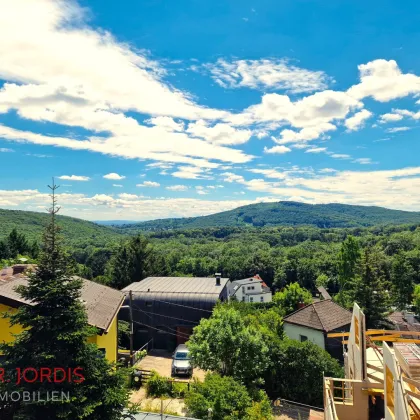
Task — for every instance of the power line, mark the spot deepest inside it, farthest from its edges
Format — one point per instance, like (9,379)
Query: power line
(173,329)
(183,306)
(158,329)
(166,316)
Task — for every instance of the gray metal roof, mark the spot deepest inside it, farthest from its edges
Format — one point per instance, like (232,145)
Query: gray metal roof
(185,285)
(102,303)
(152,416)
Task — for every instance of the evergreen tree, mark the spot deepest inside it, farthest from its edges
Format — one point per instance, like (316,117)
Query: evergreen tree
(122,268)
(4,250)
(348,271)
(371,290)
(17,243)
(402,275)
(55,335)
(34,250)
(140,251)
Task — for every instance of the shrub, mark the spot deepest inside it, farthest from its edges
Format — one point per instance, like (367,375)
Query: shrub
(228,399)
(158,386)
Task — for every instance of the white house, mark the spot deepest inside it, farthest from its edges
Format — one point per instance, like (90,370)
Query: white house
(252,289)
(314,321)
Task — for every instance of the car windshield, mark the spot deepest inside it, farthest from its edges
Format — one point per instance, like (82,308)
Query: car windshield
(182,355)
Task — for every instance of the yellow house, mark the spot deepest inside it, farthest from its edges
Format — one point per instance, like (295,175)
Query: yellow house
(102,306)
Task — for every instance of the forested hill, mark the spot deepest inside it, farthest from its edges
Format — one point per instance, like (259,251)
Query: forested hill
(286,213)
(75,231)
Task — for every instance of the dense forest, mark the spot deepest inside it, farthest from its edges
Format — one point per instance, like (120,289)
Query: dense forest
(76,232)
(351,262)
(285,213)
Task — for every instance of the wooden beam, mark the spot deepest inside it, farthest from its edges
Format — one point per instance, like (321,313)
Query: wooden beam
(396,339)
(343,334)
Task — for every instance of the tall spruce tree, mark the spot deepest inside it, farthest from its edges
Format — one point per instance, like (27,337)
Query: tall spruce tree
(349,262)
(402,276)
(17,243)
(371,290)
(55,335)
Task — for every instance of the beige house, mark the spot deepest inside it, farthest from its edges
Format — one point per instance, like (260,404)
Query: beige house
(381,381)
(313,322)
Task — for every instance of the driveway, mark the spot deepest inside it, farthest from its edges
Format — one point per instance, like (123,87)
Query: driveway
(161,361)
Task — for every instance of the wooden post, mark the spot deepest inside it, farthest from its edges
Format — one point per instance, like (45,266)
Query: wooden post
(161,408)
(131,330)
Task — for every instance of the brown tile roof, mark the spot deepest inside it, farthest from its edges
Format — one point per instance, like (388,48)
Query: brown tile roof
(323,292)
(402,322)
(102,303)
(325,315)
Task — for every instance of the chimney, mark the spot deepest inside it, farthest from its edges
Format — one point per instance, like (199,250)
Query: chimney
(218,278)
(301,305)
(18,269)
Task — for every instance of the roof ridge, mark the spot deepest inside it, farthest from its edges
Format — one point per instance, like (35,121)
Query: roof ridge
(317,314)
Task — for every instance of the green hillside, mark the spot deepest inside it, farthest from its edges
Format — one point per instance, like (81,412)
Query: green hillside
(75,231)
(286,213)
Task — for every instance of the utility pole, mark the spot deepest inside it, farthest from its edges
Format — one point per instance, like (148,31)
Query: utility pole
(131,330)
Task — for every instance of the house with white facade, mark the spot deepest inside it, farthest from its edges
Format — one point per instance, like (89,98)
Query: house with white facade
(313,322)
(252,290)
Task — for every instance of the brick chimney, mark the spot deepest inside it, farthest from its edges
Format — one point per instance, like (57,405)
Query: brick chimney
(301,305)
(218,278)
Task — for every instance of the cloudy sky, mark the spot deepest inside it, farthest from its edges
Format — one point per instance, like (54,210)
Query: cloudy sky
(150,109)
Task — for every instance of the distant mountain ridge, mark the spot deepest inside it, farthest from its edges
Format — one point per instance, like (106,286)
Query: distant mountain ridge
(285,213)
(73,230)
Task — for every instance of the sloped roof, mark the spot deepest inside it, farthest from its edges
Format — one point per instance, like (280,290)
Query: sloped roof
(325,315)
(102,303)
(323,291)
(203,285)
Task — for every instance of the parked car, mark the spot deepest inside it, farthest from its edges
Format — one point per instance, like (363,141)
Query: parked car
(181,361)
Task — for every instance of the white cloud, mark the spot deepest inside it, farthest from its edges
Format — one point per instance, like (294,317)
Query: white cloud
(397,129)
(177,188)
(277,149)
(340,156)
(277,74)
(316,150)
(124,206)
(385,118)
(231,177)
(190,172)
(202,192)
(117,185)
(74,178)
(223,134)
(363,161)
(398,188)
(114,176)
(384,81)
(60,70)
(406,113)
(150,184)
(5,150)
(261,134)
(167,123)
(356,122)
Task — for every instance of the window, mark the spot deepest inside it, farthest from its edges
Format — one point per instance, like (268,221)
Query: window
(303,338)
(243,298)
(102,352)
(262,299)
(149,304)
(243,289)
(251,299)
(249,287)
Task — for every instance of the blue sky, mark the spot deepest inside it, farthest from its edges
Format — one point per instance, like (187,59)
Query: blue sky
(150,109)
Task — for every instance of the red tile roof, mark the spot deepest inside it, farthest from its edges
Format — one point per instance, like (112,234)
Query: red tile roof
(325,315)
